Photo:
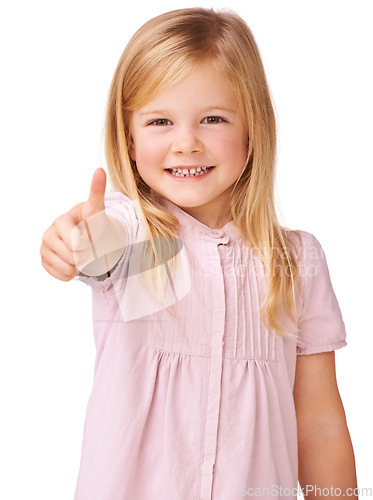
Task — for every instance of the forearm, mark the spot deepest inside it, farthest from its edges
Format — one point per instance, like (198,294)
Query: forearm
(326,461)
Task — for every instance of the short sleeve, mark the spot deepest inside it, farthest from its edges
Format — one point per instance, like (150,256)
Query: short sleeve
(321,327)
(123,209)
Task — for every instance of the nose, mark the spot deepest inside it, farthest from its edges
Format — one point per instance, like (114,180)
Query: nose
(186,140)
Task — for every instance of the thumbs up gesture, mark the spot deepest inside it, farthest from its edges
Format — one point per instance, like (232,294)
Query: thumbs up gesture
(85,238)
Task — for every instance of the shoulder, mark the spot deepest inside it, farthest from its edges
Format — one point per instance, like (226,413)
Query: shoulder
(311,262)
(299,235)
(306,245)
(116,201)
(126,210)
(114,198)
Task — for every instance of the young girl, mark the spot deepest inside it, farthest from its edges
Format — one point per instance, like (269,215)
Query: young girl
(215,327)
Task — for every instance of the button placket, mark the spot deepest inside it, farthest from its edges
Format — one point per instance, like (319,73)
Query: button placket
(218,310)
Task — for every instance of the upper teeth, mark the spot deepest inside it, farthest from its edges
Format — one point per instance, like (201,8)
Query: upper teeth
(189,171)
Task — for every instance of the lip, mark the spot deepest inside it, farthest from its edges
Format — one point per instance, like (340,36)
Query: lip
(188,167)
(192,178)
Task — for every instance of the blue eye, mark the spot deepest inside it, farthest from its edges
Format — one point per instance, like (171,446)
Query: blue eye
(213,119)
(160,122)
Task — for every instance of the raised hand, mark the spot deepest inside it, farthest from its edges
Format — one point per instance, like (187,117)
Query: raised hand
(77,237)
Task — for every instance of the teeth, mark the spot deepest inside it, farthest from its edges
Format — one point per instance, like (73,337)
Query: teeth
(193,172)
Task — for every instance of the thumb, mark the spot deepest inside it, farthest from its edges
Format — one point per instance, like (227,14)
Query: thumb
(95,202)
(91,219)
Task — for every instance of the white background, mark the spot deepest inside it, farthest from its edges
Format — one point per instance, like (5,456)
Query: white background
(57,62)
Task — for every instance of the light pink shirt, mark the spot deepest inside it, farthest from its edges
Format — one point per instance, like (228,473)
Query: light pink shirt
(200,406)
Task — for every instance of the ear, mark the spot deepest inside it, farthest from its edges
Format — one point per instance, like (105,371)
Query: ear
(131,148)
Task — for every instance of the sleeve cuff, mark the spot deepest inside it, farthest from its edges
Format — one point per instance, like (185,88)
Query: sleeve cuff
(315,349)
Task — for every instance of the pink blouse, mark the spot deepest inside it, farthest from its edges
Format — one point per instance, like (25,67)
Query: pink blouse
(198,404)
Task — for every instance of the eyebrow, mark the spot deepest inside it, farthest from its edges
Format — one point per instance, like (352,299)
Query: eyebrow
(165,112)
(155,112)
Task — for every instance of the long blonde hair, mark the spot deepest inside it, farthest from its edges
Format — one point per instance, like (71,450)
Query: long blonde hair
(161,53)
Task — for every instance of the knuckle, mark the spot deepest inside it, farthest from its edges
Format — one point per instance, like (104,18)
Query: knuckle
(45,263)
(56,224)
(60,222)
(45,236)
(68,271)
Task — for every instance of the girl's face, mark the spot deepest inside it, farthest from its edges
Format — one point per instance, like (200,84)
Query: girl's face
(191,125)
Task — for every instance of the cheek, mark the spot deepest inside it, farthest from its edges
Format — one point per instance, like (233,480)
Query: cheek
(149,151)
(229,147)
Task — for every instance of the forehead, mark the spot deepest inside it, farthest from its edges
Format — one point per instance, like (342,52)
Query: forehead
(203,86)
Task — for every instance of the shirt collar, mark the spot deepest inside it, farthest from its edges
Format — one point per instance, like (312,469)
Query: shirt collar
(191,225)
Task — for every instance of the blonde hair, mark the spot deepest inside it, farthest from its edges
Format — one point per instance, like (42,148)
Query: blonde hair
(162,52)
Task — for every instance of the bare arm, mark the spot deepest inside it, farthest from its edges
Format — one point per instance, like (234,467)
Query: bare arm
(326,456)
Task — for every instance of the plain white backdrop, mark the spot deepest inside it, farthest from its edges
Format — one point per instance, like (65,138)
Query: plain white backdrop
(57,62)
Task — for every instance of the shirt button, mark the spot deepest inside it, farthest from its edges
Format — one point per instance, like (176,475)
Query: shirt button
(217,233)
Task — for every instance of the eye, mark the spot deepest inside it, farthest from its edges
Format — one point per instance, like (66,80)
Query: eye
(160,122)
(213,119)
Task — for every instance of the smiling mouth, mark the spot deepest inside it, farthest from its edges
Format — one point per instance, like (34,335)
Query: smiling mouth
(186,172)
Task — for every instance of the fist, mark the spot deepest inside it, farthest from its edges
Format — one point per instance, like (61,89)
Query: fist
(70,243)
